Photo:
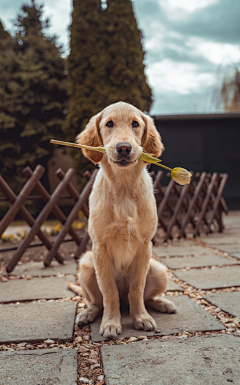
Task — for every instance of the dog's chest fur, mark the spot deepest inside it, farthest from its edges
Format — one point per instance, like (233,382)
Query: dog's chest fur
(122,217)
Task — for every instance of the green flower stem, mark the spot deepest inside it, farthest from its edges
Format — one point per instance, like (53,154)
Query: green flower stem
(148,158)
(99,149)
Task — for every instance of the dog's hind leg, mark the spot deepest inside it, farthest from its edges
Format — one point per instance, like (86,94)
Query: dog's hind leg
(90,290)
(156,284)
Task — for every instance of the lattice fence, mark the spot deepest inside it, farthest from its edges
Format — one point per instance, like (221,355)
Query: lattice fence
(199,205)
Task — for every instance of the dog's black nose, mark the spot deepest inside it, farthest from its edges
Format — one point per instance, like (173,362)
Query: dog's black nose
(124,148)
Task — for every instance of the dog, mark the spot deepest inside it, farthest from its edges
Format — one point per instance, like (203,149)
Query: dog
(122,222)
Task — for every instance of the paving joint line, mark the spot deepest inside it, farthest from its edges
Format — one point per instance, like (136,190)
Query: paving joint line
(215,250)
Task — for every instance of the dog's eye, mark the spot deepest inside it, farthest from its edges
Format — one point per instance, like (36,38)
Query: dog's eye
(110,123)
(135,123)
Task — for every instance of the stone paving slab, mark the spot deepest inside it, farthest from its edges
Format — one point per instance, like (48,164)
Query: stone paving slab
(189,317)
(196,261)
(236,255)
(36,288)
(218,277)
(42,367)
(229,302)
(220,239)
(37,321)
(193,361)
(180,250)
(173,286)
(232,248)
(36,269)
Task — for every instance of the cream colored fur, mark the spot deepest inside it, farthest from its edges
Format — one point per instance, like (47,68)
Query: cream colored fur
(122,222)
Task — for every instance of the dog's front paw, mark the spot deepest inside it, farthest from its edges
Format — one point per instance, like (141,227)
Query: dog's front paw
(110,329)
(144,322)
(87,315)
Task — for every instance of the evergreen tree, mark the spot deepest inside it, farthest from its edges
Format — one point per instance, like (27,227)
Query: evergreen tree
(33,94)
(105,64)
(8,124)
(124,64)
(5,38)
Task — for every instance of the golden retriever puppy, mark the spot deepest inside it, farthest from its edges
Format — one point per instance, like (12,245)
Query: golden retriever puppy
(122,222)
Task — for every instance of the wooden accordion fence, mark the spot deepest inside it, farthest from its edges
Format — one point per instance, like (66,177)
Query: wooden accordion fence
(199,204)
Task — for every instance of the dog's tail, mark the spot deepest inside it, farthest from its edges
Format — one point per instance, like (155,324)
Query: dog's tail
(88,259)
(75,288)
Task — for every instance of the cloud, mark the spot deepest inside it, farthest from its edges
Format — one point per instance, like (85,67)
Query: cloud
(182,78)
(217,53)
(176,9)
(218,22)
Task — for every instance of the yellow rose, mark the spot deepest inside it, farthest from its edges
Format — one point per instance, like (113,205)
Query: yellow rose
(181,176)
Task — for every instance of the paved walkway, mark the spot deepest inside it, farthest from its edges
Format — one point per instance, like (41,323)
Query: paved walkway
(200,344)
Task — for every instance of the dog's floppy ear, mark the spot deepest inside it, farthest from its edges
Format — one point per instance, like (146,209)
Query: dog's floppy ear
(151,140)
(90,136)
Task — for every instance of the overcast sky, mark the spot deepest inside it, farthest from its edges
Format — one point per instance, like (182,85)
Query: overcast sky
(189,45)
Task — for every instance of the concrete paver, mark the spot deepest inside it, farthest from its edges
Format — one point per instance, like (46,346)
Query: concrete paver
(220,239)
(218,277)
(37,321)
(189,317)
(193,361)
(175,250)
(36,269)
(229,302)
(236,255)
(196,261)
(42,367)
(36,288)
(173,286)
(231,248)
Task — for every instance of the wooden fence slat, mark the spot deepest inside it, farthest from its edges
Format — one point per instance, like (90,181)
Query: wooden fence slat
(205,204)
(23,212)
(176,188)
(216,204)
(56,209)
(82,247)
(178,206)
(39,221)
(71,217)
(192,203)
(72,190)
(22,196)
(164,201)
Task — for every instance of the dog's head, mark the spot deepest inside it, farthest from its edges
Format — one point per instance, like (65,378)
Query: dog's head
(124,131)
